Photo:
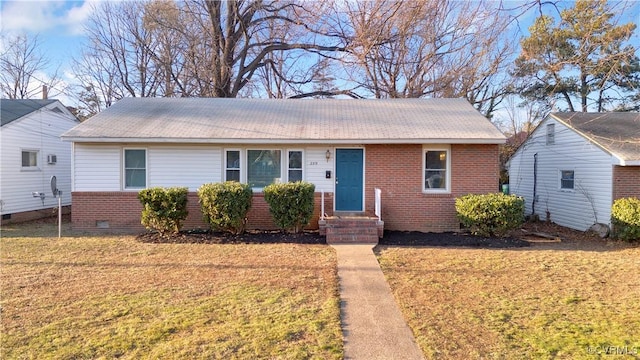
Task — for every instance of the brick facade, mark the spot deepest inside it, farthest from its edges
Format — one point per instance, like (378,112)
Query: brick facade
(34,215)
(626,182)
(395,169)
(119,212)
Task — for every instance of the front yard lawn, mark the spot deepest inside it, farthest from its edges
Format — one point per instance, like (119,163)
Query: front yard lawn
(108,297)
(553,301)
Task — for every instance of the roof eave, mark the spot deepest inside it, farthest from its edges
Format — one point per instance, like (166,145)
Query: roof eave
(79,139)
(622,162)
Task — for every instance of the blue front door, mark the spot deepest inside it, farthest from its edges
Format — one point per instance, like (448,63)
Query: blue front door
(349,179)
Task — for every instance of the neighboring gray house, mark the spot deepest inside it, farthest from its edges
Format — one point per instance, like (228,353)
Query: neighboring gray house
(574,165)
(32,152)
(420,153)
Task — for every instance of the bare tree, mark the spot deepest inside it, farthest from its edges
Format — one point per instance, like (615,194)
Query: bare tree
(203,48)
(437,48)
(24,69)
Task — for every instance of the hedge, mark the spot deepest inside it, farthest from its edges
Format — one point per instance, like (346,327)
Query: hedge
(290,204)
(164,209)
(625,218)
(225,205)
(490,214)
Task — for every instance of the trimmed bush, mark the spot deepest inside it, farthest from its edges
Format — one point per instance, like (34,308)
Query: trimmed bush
(490,214)
(225,205)
(625,218)
(290,204)
(164,209)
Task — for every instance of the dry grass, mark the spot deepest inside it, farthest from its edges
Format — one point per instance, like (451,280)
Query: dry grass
(551,301)
(107,297)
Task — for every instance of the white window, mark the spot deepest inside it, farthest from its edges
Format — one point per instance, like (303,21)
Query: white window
(232,165)
(29,159)
(135,168)
(294,166)
(436,164)
(567,179)
(264,167)
(551,134)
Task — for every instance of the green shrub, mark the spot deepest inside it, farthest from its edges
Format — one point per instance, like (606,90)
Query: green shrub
(164,210)
(490,214)
(290,204)
(225,205)
(625,218)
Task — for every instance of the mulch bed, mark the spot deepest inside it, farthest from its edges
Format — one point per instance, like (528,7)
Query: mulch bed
(312,237)
(414,238)
(249,237)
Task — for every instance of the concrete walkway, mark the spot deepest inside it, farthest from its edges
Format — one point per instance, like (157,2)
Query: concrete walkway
(372,325)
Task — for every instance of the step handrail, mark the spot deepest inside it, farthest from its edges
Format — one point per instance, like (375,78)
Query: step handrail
(378,203)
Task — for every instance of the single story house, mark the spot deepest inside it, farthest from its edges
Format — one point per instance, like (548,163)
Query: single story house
(421,154)
(32,152)
(574,165)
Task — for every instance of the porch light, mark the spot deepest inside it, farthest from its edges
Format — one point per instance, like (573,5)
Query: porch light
(328,155)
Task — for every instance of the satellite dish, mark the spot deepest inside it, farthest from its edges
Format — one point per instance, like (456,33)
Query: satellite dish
(54,186)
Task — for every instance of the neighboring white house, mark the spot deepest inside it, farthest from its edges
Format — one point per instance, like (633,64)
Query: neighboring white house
(574,165)
(32,152)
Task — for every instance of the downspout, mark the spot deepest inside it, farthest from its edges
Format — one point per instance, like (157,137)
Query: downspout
(535,182)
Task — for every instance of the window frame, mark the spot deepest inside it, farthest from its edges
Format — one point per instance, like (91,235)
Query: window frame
(246,166)
(561,179)
(447,150)
(551,134)
(124,169)
(35,167)
(239,168)
(302,160)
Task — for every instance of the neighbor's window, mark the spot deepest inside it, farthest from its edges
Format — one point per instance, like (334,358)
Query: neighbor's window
(551,134)
(295,166)
(435,169)
(263,167)
(566,179)
(232,166)
(29,159)
(135,168)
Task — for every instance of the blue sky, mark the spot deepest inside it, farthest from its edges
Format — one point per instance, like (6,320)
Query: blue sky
(58,25)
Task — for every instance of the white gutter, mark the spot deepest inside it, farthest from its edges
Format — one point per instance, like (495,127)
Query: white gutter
(285,141)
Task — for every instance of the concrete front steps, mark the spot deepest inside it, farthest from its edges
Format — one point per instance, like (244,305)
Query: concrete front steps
(351,229)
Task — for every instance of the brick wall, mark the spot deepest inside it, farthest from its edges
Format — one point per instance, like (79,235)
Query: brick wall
(397,171)
(119,212)
(25,216)
(626,182)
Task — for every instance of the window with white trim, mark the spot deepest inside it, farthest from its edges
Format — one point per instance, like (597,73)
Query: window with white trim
(567,179)
(294,166)
(232,165)
(264,167)
(30,159)
(436,170)
(135,168)
(551,134)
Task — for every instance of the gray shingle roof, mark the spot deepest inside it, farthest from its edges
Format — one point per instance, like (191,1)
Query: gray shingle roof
(616,132)
(219,120)
(11,110)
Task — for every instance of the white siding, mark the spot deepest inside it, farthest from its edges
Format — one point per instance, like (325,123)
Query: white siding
(589,202)
(96,167)
(39,131)
(184,166)
(316,166)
